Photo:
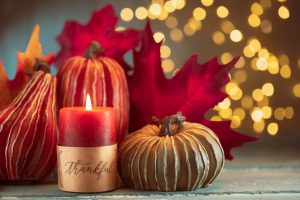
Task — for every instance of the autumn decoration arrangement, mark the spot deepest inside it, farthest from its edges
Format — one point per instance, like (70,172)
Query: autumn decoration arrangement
(100,76)
(170,145)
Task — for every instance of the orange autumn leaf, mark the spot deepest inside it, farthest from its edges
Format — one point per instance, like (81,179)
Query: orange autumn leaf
(26,61)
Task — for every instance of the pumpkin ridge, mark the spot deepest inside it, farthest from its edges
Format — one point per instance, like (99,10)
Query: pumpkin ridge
(217,146)
(149,166)
(39,152)
(135,163)
(68,83)
(127,146)
(62,70)
(197,154)
(53,143)
(16,104)
(165,162)
(204,159)
(99,99)
(127,150)
(161,164)
(177,165)
(206,165)
(94,84)
(120,92)
(186,160)
(151,142)
(155,162)
(86,83)
(66,64)
(9,149)
(69,87)
(122,88)
(131,138)
(54,132)
(110,86)
(38,108)
(213,166)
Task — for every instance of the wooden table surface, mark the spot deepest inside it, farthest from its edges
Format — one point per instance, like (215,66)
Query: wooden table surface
(257,172)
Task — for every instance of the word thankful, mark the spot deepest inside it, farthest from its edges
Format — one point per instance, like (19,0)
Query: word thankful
(75,168)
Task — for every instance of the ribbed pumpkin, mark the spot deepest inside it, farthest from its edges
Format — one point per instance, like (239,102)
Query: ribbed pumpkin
(102,77)
(173,155)
(28,131)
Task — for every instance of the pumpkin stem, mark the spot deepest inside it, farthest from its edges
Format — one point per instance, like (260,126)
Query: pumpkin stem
(167,122)
(94,50)
(39,65)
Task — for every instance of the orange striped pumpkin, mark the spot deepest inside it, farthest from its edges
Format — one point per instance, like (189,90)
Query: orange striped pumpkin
(28,131)
(102,77)
(175,155)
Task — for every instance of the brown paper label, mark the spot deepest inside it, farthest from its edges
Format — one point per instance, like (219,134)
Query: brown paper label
(87,169)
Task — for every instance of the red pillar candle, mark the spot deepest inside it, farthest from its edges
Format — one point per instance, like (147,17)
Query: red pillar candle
(87,149)
(87,128)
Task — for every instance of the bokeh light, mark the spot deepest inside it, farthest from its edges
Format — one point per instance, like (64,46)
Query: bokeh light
(272,128)
(141,13)
(126,14)
(207,2)
(158,37)
(236,35)
(226,57)
(259,127)
(227,26)
(254,20)
(199,13)
(268,89)
(257,9)
(257,115)
(257,95)
(155,9)
(296,90)
(176,35)
(252,104)
(165,51)
(283,12)
(266,26)
(218,37)
(168,65)
(289,112)
(222,12)
(171,22)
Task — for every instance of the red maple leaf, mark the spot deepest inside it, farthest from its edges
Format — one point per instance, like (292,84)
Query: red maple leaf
(75,37)
(194,90)
(26,61)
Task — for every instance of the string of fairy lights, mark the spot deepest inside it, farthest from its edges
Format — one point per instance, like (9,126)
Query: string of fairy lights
(255,105)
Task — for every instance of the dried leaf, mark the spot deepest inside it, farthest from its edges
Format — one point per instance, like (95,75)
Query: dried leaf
(26,61)
(194,90)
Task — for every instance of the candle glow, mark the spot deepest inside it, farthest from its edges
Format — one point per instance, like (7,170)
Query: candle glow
(88,104)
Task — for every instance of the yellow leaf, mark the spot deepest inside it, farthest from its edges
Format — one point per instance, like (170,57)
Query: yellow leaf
(26,61)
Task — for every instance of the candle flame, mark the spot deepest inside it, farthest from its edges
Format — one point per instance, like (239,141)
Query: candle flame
(88,105)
